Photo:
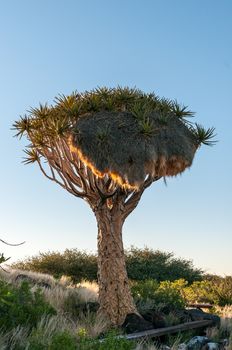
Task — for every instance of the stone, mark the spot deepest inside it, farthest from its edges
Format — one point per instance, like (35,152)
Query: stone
(164,347)
(197,343)
(182,346)
(212,346)
(224,343)
(135,323)
(156,318)
(198,315)
(22,277)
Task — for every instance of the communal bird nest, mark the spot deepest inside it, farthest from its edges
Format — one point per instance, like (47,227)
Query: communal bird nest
(127,148)
(119,133)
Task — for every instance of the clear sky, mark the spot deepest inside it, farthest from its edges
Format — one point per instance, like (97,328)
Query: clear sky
(178,49)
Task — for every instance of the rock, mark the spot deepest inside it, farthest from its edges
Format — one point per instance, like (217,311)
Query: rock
(156,318)
(22,277)
(183,316)
(198,315)
(182,346)
(212,346)
(197,343)
(135,323)
(164,347)
(224,343)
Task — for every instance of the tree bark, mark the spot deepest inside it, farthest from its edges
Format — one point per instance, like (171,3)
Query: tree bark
(114,291)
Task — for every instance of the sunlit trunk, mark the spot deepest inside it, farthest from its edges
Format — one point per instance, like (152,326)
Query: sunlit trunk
(114,292)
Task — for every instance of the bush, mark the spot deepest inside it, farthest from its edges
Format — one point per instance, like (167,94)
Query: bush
(73,263)
(20,306)
(215,290)
(142,264)
(165,295)
(62,340)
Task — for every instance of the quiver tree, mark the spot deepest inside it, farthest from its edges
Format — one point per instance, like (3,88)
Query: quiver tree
(107,146)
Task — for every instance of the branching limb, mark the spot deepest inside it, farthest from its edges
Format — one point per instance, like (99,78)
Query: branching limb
(135,196)
(64,185)
(11,244)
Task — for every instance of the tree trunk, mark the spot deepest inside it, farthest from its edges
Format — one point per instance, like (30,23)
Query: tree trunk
(114,291)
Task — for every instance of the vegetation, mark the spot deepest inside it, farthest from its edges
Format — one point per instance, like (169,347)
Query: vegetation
(107,146)
(214,289)
(20,306)
(37,311)
(141,264)
(164,296)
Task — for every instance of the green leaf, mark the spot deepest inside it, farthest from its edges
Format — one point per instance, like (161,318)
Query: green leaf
(22,125)
(203,135)
(181,111)
(32,156)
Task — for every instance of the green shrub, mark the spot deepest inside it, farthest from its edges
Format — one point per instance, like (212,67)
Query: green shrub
(215,290)
(222,290)
(73,263)
(20,306)
(111,342)
(169,294)
(165,295)
(142,264)
(144,289)
(63,341)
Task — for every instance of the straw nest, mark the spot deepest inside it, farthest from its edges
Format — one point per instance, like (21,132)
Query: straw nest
(124,144)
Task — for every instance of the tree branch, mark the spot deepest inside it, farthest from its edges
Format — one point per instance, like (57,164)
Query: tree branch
(64,185)
(135,196)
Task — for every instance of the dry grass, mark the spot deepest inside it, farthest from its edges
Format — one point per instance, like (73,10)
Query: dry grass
(88,291)
(225,330)
(60,291)
(16,337)
(10,275)
(65,296)
(224,312)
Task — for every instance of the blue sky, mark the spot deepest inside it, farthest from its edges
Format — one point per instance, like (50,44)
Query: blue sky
(178,49)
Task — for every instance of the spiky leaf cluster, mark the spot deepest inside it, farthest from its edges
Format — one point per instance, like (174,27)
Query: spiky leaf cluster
(204,136)
(45,124)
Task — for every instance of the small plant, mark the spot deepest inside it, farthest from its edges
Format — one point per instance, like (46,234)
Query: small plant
(102,135)
(141,110)
(163,119)
(20,306)
(146,127)
(110,342)
(204,136)
(63,341)
(180,110)
(3,259)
